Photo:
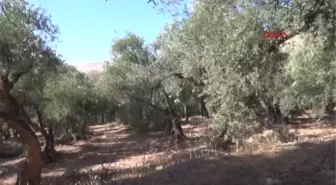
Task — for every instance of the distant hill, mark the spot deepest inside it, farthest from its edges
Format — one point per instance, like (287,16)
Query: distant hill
(89,67)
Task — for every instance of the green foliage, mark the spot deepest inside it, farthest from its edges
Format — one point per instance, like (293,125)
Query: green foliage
(132,49)
(310,71)
(25,48)
(246,76)
(129,82)
(215,57)
(69,98)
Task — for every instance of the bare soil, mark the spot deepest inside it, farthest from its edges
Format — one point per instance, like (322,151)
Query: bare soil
(117,155)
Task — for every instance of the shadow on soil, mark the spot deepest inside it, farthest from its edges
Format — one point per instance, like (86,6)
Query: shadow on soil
(109,145)
(307,164)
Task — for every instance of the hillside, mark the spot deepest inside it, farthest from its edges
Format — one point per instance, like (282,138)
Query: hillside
(89,67)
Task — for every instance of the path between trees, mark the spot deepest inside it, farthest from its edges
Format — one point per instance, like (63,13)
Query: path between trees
(117,155)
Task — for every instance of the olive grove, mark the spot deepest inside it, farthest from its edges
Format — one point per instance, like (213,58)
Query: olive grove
(214,62)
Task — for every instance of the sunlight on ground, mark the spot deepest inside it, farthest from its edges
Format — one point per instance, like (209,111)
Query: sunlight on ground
(115,148)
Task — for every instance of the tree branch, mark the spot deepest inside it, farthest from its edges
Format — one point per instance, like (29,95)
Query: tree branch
(180,76)
(155,3)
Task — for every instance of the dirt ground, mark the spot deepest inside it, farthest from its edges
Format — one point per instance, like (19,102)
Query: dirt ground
(117,155)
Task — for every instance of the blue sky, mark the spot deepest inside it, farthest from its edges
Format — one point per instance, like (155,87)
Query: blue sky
(88,26)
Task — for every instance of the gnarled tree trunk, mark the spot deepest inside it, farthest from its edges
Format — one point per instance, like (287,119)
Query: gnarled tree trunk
(330,107)
(186,113)
(204,110)
(31,172)
(102,118)
(174,126)
(11,113)
(49,151)
(176,132)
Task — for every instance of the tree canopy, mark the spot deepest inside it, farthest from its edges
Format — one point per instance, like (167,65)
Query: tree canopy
(214,62)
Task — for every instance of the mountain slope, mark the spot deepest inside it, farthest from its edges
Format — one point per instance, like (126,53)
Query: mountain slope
(89,67)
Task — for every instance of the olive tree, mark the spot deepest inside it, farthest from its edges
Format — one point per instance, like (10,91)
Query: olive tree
(242,76)
(24,32)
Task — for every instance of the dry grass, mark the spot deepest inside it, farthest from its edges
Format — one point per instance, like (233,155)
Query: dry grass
(117,155)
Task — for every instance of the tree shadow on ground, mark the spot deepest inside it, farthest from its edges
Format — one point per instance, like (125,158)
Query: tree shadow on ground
(306,164)
(109,145)
(106,138)
(122,144)
(328,120)
(126,142)
(8,167)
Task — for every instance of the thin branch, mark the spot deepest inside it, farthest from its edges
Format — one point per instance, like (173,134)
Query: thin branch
(158,85)
(155,3)
(180,76)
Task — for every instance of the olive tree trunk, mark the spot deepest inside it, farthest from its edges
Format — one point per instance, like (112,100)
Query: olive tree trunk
(186,113)
(31,172)
(204,110)
(11,113)
(49,151)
